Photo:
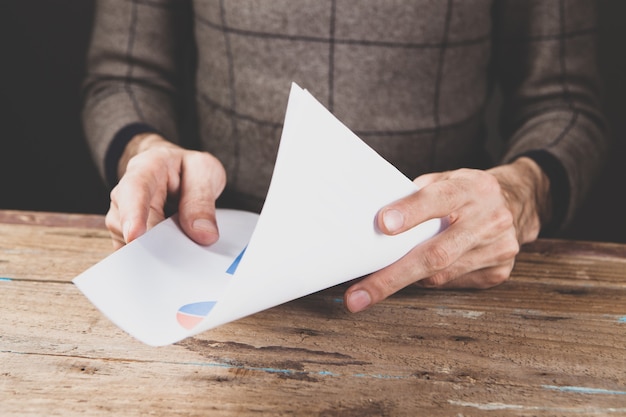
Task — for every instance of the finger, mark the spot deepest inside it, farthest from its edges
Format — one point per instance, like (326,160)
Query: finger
(203,180)
(435,263)
(495,260)
(481,279)
(133,211)
(112,222)
(137,196)
(423,261)
(156,215)
(437,199)
(118,242)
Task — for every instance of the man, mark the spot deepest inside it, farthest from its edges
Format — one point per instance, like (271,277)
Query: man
(411,78)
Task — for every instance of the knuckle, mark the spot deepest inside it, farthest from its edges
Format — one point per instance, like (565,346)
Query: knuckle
(198,158)
(158,155)
(109,221)
(208,163)
(468,173)
(437,258)
(510,249)
(191,207)
(438,280)
(502,219)
(448,193)
(138,160)
(506,217)
(113,194)
(387,284)
(488,185)
(490,182)
(498,276)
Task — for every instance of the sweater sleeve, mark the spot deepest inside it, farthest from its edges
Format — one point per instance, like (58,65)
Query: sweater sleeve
(133,76)
(546,65)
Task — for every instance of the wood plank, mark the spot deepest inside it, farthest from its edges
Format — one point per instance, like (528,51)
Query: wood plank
(76,387)
(573,262)
(42,218)
(444,352)
(50,253)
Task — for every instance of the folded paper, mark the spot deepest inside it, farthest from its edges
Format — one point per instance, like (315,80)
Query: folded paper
(316,230)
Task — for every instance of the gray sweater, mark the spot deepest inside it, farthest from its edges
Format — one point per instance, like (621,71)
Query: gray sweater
(410,77)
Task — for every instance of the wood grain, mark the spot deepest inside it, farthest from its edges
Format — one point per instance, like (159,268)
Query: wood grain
(549,342)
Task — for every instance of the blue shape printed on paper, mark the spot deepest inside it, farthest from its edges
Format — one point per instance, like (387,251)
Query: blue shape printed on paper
(233,267)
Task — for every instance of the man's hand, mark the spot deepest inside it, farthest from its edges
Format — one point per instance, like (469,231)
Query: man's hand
(152,170)
(490,214)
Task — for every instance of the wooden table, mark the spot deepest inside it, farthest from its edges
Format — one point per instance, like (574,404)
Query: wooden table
(549,342)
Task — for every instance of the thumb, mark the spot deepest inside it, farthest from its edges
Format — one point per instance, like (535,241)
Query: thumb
(202,180)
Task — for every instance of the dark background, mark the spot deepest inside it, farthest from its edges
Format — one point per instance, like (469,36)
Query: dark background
(45,164)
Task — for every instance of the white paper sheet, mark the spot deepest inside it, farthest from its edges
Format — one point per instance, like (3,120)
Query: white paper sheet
(317,229)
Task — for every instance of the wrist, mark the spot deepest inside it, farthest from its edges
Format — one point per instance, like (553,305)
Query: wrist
(526,188)
(559,189)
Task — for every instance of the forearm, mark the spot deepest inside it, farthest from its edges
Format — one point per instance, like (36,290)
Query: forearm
(552,105)
(128,81)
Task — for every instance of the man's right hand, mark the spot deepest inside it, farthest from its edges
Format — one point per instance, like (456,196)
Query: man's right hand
(152,170)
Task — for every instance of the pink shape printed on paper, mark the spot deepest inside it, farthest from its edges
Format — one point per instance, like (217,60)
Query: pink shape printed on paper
(190,315)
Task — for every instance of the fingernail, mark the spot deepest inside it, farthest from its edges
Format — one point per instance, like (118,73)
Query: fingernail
(204,225)
(393,220)
(359,300)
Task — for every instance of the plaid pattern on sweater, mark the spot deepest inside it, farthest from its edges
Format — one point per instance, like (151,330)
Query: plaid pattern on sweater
(410,77)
